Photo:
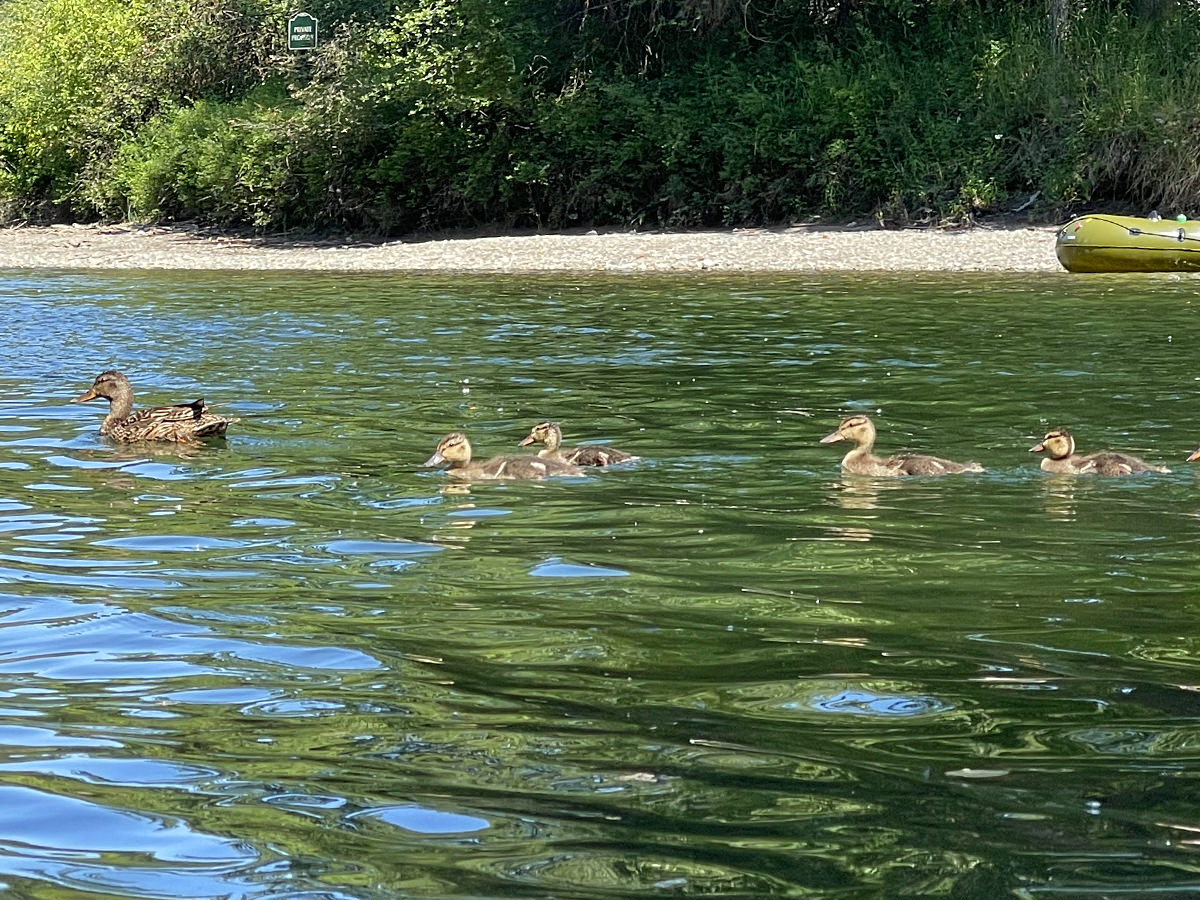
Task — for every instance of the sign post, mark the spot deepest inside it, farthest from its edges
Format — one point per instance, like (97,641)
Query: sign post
(302,32)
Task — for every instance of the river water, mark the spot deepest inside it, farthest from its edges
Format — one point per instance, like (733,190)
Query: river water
(298,664)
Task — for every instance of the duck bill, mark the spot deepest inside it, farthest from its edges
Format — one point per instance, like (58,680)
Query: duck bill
(436,460)
(1037,448)
(89,394)
(833,438)
(527,440)
(1195,456)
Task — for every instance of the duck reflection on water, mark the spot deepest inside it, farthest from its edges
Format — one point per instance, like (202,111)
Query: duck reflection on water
(855,493)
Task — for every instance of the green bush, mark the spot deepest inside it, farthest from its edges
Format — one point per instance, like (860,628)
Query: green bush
(224,162)
(435,113)
(59,65)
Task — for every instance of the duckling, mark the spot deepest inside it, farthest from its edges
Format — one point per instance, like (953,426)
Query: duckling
(861,461)
(550,434)
(1062,459)
(1195,456)
(181,423)
(455,449)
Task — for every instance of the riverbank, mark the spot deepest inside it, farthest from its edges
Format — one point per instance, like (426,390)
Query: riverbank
(796,249)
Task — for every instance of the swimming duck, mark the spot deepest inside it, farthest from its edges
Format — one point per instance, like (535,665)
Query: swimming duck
(181,423)
(550,434)
(455,449)
(1195,456)
(1061,458)
(861,461)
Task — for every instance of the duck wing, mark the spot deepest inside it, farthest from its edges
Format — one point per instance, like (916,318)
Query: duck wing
(525,467)
(923,464)
(1109,462)
(181,422)
(597,455)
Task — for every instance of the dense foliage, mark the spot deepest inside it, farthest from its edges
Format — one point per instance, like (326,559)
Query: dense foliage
(435,113)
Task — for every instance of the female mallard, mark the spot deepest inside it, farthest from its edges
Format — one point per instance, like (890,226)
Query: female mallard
(455,449)
(861,461)
(1061,458)
(550,434)
(182,423)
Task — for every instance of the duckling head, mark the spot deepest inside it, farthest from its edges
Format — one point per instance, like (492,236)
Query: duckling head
(547,433)
(453,448)
(859,429)
(1057,444)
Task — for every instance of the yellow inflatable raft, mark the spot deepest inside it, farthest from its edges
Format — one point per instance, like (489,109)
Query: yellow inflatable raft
(1099,243)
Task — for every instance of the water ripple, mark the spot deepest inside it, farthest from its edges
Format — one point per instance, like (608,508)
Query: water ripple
(296,664)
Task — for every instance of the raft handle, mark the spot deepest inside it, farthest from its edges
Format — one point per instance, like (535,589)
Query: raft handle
(1180,235)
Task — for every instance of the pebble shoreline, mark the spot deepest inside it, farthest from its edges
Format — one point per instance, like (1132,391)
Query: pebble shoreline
(796,249)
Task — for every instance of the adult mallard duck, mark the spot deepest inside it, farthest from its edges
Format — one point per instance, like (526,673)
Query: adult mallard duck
(1061,458)
(550,434)
(861,461)
(455,449)
(181,423)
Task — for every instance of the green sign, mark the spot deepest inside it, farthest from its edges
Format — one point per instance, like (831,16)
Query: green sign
(302,32)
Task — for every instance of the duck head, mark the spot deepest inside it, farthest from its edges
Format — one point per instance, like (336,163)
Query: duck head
(454,448)
(859,429)
(547,433)
(1057,444)
(110,386)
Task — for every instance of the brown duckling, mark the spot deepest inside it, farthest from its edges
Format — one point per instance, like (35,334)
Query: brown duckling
(550,434)
(455,449)
(181,423)
(1061,458)
(1195,456)
(861,461)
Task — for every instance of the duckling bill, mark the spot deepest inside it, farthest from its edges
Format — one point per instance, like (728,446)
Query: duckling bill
(861,461)
(181,423)
(1061,458)
(455,450)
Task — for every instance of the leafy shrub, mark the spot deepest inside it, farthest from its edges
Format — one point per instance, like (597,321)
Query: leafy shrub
(59,64)
(435,113)
(224,162)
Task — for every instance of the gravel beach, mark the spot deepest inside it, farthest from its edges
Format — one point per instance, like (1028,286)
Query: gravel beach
(796,249)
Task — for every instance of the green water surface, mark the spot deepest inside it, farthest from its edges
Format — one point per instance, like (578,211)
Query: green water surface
(297,664)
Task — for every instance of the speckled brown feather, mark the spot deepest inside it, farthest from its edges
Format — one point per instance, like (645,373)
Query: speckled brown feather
(181,423)
(550,434)
(1061,458)
(861,461)
(455,449)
